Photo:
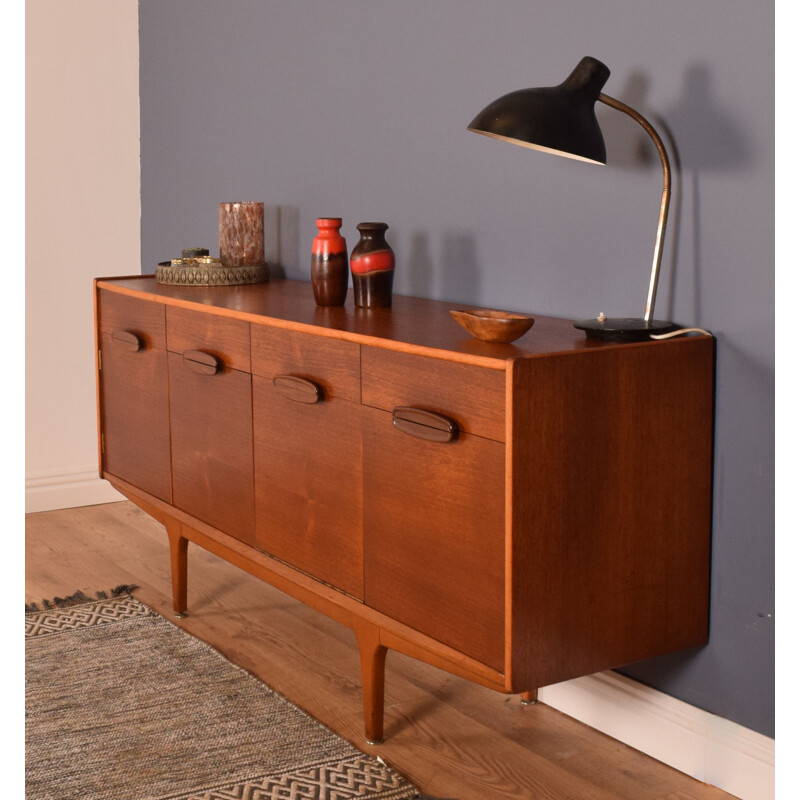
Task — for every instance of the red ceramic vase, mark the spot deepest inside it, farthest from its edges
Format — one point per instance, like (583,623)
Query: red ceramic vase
(372,265)
(329,263)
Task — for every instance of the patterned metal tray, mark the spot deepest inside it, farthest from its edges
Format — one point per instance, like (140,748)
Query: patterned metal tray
(205,271)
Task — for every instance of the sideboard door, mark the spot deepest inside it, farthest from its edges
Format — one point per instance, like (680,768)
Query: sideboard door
(434,535)
(308,485)
(307,429)
(212,446)
(134,412)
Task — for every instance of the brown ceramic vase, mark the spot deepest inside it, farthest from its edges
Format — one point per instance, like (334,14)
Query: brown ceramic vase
(372,265)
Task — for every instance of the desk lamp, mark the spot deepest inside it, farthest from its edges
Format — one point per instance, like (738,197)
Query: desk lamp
(561,120)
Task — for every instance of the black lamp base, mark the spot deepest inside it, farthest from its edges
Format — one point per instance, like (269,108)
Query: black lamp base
(623,329)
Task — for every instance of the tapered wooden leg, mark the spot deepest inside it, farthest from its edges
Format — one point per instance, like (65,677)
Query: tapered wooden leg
(529,698)
(373,663)
(178,547)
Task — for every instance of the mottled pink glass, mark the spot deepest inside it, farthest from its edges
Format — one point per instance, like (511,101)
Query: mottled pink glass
(241,234)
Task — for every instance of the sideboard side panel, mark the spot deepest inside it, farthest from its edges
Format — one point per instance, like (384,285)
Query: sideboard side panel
(611,467)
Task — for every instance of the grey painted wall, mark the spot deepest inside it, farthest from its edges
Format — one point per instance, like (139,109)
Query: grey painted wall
(358,109)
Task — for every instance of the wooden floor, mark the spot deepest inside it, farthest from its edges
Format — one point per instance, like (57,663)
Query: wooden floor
(450,738)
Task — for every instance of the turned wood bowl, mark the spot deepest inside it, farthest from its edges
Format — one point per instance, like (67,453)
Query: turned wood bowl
(493,326)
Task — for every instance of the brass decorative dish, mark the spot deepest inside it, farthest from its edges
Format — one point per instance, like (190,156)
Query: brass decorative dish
(206,271)
(493,326)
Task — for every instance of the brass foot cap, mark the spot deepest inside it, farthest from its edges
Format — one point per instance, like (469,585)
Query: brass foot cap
(182,615)
(374,741)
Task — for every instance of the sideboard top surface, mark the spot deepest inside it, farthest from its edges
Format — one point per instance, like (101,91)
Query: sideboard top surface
(413,323)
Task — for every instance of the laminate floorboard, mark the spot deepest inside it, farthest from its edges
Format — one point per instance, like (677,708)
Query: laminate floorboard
(451,738)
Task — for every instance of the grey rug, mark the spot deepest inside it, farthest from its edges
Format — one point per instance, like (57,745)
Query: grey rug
(123,705)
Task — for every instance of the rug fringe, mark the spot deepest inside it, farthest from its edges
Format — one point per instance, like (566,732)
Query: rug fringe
(79,597)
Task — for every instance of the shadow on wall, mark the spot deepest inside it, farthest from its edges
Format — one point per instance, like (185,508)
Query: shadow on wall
(458,275)
(282,239)
(419,265)
(710,140)
(627,144)
(706,134)
(461,272)
(699,136)
(709,137)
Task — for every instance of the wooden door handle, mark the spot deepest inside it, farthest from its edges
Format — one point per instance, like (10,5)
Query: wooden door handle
(127,340)
(424,424)
(298,389)
(201,362)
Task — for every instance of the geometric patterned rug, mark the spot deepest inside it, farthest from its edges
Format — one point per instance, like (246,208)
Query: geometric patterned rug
(123,705)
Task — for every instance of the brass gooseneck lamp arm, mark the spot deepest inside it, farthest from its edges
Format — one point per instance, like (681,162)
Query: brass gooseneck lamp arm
(665,196)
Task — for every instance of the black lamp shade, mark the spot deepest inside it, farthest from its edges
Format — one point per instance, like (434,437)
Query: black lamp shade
(559,119)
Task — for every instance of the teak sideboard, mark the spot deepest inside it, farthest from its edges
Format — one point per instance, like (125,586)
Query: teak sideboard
(517,514)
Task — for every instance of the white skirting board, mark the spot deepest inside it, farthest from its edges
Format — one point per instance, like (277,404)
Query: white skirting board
(703,745)
(50,491)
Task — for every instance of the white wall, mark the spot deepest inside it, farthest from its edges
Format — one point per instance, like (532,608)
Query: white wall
(82,222)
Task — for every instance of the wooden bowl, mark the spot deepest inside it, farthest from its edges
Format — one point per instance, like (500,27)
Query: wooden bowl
(493,326)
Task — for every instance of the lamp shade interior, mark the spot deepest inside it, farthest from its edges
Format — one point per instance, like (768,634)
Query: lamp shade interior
(557,119)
